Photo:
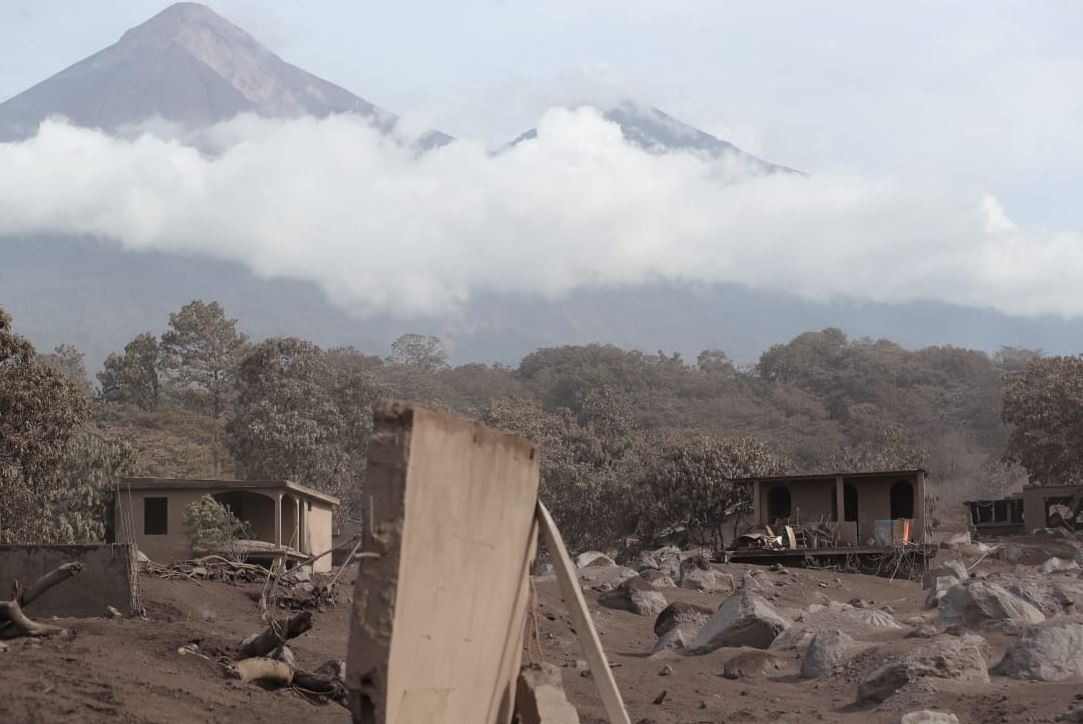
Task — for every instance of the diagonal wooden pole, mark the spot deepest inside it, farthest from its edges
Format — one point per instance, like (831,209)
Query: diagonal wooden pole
(584,626)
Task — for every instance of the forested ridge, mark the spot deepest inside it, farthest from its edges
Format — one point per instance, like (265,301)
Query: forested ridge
(632,443)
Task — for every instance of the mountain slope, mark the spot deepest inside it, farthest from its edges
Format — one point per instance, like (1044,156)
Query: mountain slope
(188,65)
(658,132)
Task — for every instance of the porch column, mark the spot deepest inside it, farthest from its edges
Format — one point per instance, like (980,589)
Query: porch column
(278,520)
(297,521)
(840,500)
(756,517)
(919,508)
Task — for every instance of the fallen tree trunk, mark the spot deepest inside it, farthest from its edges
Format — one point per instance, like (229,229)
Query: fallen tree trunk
(50,579)
(276,634)
(269,672)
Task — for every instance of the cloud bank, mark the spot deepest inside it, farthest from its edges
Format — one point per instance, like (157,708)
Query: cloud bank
(383,228)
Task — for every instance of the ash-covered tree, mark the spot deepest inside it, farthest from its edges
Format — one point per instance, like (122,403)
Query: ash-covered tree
(424,352)
(69,361)
(304,415)
(201,351)
(690,483)
(1043,403)
(40,413)
(134,376)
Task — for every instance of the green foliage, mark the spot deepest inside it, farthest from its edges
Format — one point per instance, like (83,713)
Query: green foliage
(201,351)
(78,505)
(1044,404)
(211,526)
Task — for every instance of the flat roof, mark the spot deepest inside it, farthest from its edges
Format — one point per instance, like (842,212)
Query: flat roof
(223,485)
(828,476)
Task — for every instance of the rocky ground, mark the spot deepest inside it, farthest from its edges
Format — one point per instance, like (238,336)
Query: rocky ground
(1004,644)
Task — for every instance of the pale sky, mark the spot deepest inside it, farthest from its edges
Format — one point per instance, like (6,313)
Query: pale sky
(981,94)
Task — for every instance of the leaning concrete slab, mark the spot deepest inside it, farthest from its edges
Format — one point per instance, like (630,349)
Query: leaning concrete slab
(437,622)
(108,578)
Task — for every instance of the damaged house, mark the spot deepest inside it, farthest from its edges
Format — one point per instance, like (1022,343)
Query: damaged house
(826,514)
(283,519)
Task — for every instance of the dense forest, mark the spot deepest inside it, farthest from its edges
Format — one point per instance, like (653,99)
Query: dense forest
(632,443)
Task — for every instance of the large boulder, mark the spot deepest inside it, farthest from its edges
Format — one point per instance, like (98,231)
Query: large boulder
(675,639)
(680,613)
(855,621)
(656,578)
(752,664)
(947,568)
(827,650)
(743,619)
(707,580)
(1051,651)
(1058,565)
(978,603)
(604,576)
(636,595)
(1049,594)
(935,592)
(945,657)
(593,558)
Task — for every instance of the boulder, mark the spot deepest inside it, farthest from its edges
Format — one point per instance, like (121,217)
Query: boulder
(851,619)
(593,558)
(1056,565)
(668,559)
(928,716)
(636,595)
(707,580)
(752,664)
(1051,651)
(743,619)
(679,613)
(947,568)
(675,639)
(656,578)
(608,575)
(540,698)
(945,657)
(935,592)
(977,602)
(1049,594)
(827,650)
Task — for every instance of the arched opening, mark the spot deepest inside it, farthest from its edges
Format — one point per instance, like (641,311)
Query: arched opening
(902,499)
(255,510)
(778,502)
(849,502)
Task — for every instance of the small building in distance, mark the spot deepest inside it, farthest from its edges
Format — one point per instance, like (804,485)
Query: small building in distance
(838,510)
(1003,516)
(1053,506)
(284,519)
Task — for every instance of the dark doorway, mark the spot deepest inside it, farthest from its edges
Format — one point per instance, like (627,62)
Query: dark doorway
(778,503)
(902,499)
(849,502)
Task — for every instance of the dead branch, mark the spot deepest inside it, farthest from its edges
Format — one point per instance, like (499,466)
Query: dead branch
(50,579)
(277,633)
(18,623)
(270,672)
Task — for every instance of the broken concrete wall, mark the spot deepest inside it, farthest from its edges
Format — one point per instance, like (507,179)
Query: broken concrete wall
(437,623)
(108,578)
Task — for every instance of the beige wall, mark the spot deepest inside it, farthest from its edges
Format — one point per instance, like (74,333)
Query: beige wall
(258,510)
(1034,507)
(814,500)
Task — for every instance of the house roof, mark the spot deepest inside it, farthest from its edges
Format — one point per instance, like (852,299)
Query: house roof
(223,486)
(828,476)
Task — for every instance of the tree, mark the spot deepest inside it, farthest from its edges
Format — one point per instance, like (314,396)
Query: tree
(304,416)
(211,526)
(202,350)
(68,361)
(1044,405)
(690,482)
(135,376)
(424,352)
(39,411)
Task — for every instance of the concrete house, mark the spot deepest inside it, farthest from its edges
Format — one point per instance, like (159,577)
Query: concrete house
(874,509)
(284,519)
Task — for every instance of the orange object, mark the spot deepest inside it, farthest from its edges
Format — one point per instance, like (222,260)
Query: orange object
(906,530)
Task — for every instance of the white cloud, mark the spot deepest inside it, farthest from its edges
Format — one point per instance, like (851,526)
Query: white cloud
(383,228)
